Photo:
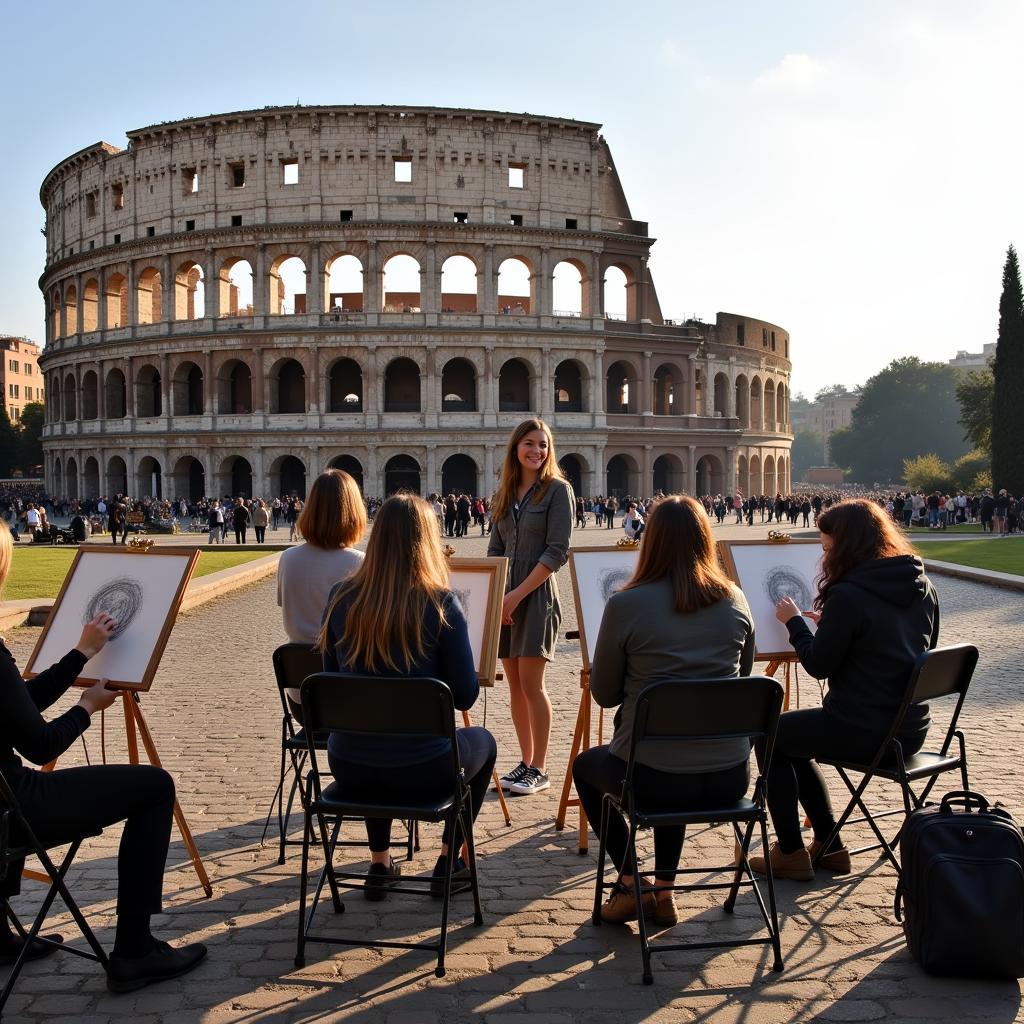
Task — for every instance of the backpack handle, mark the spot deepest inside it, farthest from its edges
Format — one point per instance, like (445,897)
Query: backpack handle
(962,797)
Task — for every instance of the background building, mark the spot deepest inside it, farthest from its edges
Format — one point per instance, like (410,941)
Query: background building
(237,301)
(966,361)
(20,379)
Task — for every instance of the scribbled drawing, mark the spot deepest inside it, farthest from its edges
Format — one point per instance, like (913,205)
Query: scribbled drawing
(613,580)
(784,581)
(463,596)
(120,598)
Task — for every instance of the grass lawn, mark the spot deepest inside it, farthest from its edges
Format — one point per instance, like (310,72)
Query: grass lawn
(999,555)
(39,572)
(971,528)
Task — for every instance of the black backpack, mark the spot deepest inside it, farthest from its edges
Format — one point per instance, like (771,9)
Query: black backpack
(962,889)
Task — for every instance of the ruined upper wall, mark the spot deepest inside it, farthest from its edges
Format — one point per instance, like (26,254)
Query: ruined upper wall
(238,168)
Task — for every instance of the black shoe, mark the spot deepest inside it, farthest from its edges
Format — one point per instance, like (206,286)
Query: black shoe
(380,878)
(162,962)
(10,951)
(460,877)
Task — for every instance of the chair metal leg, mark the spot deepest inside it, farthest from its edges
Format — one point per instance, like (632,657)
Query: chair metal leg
(467,831)
(328,848)
(741,864)
(773,925)
(449,864)
(602,851)
(300,942)
(641,924)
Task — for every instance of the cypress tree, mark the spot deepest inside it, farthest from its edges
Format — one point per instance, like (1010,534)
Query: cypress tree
(1008,370)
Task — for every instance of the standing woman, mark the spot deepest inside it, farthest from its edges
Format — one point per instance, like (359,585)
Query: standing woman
(531,516)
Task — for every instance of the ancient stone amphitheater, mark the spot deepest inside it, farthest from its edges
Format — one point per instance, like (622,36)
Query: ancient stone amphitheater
(235,302)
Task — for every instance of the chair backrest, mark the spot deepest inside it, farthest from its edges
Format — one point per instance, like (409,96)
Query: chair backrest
(942,672)
(292,663)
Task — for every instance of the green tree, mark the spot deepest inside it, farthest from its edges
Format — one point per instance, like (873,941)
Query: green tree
(8,444)
(808,450)
(904,411)
(30,444)
(972,472)
(975,392)
(1008,371)
(928,473)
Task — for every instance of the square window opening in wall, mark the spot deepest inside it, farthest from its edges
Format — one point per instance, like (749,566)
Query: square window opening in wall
(516,220)
(150,231)
(90,205)
(290,172)
(117,195)
(117,239)
(190,225)
(741,338)
(764,337)
(461,217)
(571,223)
(236,220)
(190,180)
(517,176)
(403,170)
(92,243)
(72,252)
(346,216)
(236,175)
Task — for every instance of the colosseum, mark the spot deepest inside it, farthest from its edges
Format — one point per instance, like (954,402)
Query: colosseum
(236,301)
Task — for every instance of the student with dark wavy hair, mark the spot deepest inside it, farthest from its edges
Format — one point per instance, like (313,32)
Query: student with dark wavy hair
(876,612)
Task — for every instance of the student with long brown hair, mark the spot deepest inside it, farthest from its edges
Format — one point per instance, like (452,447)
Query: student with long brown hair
(678,617)
(876,612)
(531,516)
(396,616)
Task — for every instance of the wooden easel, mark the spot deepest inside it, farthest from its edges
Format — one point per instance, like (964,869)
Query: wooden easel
(788,663)
(135,726)
(581,740)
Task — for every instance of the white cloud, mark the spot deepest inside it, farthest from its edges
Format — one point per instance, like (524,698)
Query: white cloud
(795,73)
(671,52)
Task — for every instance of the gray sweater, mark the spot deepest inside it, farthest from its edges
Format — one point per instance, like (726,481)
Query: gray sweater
(642,640)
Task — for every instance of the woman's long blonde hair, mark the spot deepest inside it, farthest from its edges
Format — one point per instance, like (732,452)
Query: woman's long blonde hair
(511,471)
(6,553)
(403,568)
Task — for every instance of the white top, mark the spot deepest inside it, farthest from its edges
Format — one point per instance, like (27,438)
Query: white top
(305,575)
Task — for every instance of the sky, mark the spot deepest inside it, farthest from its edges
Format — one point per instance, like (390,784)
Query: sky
(847,169)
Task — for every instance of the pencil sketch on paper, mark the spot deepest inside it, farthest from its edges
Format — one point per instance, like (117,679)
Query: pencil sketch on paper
(120,598)
(611,581)
(464,600)
(781,581)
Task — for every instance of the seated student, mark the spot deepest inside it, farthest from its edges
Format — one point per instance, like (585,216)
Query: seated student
(396,616)
(876,611)
(332,522)
(69,801)
(679,617)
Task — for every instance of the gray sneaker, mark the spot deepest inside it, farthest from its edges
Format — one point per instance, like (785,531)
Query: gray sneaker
(533,781)
(509,780)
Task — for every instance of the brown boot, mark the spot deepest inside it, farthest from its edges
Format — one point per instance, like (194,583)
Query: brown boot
(620,907)
(837,861)
(795,866)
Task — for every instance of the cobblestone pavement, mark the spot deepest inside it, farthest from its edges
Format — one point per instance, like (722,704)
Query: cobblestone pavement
(537,957)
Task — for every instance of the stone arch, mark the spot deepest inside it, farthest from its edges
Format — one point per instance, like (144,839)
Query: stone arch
(569,292)
(234,388)
(742,475)
(90,305)
(769,404)
(401,277)
(287,380)
(71,479)
(187,393)
(70,397)
(743,400)
(569,391)
(235,287)
(770,483)
(459,475)
(514,386)
(55,306)
(618,293)
(621,388)
(53,393)
(623,475)
(756,414)
(721,406)
(668,390)
(58,479)
(343,283)
(781,407)
(115,396)
(189,478)
(460,278)
(348,464)
(516,286)
(90,397)
(288,476)
(755,483)
(71,309)
(402,386)
(189,292)
(148,400)
(115,290)
(286,285)
(235,477)
(458,386)
(90,478)
(402,473)
(117,476)
(573,466)
(709,478)
(669,474)
(345,386)
(149,296)
(149,478)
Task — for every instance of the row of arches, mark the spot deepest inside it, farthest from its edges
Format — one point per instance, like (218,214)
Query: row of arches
(180,291)
(186,392)
(769,474)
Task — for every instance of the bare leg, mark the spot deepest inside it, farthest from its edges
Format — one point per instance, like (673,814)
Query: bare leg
(520,708)
(531,684)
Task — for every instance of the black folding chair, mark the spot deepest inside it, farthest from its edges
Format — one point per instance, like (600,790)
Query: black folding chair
(18,841)
(939,673)
(388,708)
(693,711)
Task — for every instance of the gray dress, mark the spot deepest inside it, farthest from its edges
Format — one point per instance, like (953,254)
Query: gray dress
(540,534)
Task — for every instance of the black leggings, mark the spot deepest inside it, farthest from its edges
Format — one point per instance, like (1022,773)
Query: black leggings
(419,782)
(63,804)
(597,771)
(794,776)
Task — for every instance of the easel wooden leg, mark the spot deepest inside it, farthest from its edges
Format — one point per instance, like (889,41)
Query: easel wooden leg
(580,742)
(134,717)
(497,782)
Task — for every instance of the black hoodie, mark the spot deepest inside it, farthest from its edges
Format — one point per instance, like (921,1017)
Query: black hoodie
(875,622)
